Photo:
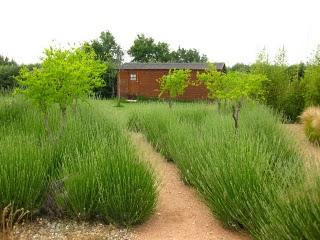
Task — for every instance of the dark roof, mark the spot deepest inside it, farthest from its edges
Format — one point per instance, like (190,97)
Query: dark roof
(159,66)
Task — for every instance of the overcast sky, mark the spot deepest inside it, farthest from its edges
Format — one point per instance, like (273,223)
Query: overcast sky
(225,30)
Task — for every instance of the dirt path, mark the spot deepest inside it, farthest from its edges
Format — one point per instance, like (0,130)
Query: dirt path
(180,214)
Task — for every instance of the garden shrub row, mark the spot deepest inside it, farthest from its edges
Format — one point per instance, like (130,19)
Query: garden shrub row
(89,172)
(251,179)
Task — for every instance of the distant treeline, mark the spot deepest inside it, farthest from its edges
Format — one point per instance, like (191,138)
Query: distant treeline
(289,90)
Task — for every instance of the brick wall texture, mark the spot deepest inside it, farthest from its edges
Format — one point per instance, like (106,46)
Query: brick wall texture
(147,85)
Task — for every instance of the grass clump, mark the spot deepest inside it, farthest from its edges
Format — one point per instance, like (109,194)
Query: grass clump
(310,119)
(107,180)
(243,175)
(90,171)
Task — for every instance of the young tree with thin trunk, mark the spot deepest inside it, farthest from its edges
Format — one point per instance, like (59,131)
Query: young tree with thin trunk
(233,86)
(63,77)
(212,78)
(35,86)
(174,83)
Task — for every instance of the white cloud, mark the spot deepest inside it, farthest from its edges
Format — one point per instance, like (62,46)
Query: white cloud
(226,30)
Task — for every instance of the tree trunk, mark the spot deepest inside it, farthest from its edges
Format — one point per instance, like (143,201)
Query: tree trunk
(63,119)
(219,105)
(235,113)
(75,106)
(46,123)
(170,102)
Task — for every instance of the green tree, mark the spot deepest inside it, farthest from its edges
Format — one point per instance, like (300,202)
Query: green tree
(187,55)
(9,69)
(145,49)
(241,67)
(6,61)
(63,77)
(212,79)
(110,52)
(233,86)
(174,83)
(237,87)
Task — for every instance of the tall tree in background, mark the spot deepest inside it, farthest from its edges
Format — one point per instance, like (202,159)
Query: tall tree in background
(110,52)
(312,80)
(241,67)
(187,55)
(9,69)
(145,49)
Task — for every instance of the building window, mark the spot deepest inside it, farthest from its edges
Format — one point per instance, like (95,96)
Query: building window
(133,77)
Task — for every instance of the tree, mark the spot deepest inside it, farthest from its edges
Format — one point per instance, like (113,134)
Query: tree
(110,52)
(241,67)
(174,83)
(145,49)
(35,85)
(212,79)
(63,77)
(9,69)
(233,86)
(6,61)
(187,56)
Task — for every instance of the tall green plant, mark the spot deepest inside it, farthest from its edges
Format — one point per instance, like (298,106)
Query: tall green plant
(63,77)
(174,83)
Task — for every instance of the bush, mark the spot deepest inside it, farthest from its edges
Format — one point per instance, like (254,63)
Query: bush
(103,176)
(7,76)
(310,119)
(242,175)
(90,171)
(292,102)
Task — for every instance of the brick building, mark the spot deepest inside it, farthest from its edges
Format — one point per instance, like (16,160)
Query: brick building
(141,79)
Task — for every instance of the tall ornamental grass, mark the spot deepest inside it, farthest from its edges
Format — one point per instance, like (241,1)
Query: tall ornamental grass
(310,119)
(243,175)
(104,177)
(90,171)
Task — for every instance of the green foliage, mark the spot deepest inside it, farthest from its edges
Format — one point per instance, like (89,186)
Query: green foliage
(292,101)
(175,82)
(63,77)
(212,79)
(5,61)
(145,49)
(8,70)
(253,180)
(233,85)
(312,84)
(187,55)
(109,51)
(7,76)
(92,171)
(240,67)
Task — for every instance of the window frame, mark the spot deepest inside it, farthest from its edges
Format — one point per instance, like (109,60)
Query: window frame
(135,78)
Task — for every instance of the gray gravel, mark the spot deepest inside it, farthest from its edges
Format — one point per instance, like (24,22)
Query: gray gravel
(43,229)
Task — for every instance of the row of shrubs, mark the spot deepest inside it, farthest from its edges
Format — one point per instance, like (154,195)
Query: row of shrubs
(89,172)
(251,179)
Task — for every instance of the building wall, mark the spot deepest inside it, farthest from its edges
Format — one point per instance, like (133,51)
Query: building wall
(147,85)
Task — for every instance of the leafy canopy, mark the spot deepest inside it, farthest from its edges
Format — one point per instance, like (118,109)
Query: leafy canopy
(232,85)
(63,76)
(175,82)
(145,49)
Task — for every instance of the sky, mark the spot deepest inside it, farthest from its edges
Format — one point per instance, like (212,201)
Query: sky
(229,31)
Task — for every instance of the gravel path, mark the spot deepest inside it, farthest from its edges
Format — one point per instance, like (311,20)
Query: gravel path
(180,214)
(43,229)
